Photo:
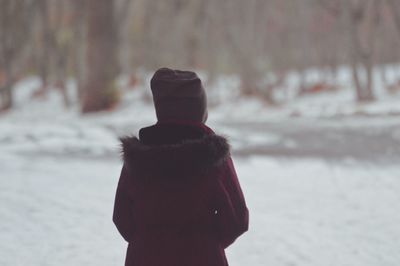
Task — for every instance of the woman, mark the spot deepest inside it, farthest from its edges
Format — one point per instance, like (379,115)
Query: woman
(178,201)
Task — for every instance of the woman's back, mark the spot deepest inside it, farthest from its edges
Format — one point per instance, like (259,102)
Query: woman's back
(178,200)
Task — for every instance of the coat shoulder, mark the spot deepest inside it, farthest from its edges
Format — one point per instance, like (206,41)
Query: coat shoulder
(186,156)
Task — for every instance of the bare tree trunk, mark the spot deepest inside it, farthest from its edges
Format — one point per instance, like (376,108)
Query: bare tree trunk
(15,17)
(356,81)
(6,91)
(361,52)
(354,52)
(122,9)
(79,27)
(369,95)
(6,97)
(61,79)
(46,46)
(395,8)
(99,91)
(62,43)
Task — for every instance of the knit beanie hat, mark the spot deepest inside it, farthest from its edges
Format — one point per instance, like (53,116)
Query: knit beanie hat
(178,95)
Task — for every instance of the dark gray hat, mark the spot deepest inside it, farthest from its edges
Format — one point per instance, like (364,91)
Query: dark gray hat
(178,95)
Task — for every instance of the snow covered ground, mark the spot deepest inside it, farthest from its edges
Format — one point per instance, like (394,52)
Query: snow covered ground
(314,198)
(57,211)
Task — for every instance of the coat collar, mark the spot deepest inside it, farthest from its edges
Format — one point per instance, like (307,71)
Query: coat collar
(194,156)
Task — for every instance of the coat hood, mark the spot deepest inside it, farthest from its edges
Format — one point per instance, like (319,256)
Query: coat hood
(188,157)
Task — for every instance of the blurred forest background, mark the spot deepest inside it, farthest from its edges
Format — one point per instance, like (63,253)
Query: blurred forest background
(306,91)
(261,41)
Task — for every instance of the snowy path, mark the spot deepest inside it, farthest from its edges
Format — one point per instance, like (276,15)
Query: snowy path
(368,140)
(57,211)
(376,142)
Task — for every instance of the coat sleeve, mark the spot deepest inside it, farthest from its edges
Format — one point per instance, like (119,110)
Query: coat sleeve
(232,213)
(123,212)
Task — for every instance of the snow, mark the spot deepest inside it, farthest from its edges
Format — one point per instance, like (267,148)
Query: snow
(311,213)
(59,171)
(58,212)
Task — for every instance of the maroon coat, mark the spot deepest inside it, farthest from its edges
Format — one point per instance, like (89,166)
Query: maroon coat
(178,201)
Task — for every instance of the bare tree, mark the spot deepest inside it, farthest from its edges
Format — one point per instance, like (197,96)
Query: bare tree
(362,28)
(361,20)
(79,27)
(15,17)
(395,9)
(46,45)
(100,90)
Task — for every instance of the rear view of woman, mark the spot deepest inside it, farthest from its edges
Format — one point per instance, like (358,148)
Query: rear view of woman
(178,201)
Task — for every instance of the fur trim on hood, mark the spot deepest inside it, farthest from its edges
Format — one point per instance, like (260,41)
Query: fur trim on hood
(189,157)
